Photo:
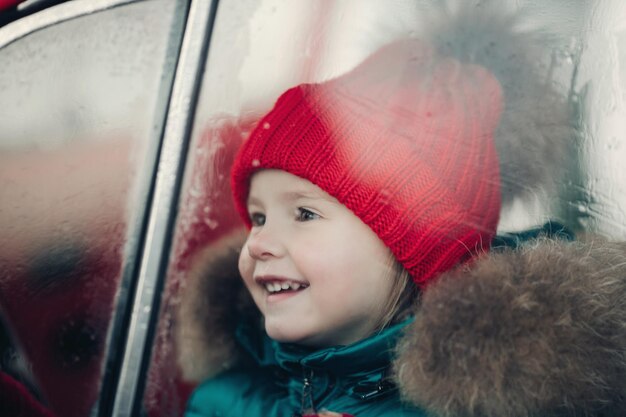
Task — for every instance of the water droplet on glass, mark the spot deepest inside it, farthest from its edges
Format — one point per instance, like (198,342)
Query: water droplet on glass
(211,223)
(195,192)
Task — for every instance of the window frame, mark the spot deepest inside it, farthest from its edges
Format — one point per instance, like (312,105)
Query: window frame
(135,316)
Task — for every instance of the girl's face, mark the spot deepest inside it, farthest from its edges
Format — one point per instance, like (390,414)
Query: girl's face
(318,274)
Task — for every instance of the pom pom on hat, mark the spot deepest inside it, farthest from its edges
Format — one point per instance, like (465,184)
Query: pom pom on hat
(405,141)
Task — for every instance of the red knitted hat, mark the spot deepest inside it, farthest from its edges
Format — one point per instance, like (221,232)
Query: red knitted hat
(405,141)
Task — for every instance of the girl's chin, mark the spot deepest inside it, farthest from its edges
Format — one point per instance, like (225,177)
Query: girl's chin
(285,335)
(288,334)
(295,328)
(298,337)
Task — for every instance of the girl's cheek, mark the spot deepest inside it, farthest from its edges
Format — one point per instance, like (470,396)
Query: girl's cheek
(246,264)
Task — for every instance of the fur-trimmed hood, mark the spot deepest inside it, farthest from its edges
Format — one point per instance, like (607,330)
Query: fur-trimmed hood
(539,330)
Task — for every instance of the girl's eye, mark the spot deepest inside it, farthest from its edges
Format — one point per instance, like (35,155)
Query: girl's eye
(257,219)
(305,215)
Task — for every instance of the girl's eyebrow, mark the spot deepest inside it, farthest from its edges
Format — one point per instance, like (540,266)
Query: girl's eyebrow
(253,201)
(294,196)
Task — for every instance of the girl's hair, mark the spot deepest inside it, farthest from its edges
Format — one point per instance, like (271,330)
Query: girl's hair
(404,294)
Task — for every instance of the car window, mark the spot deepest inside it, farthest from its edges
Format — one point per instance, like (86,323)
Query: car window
(84,94)
(259,48)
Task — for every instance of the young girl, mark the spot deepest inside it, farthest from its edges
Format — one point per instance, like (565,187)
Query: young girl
(371,202)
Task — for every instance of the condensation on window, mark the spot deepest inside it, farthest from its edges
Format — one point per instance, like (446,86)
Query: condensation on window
(259,48)
(82,103)
(597,197)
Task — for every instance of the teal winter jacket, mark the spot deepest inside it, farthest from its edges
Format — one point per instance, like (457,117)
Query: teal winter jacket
(286,380)
(535,327)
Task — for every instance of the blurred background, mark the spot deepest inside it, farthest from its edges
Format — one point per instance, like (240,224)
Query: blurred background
(85,89)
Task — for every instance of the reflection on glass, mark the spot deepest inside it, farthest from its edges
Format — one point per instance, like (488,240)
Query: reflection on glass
(259,48)
(81,102)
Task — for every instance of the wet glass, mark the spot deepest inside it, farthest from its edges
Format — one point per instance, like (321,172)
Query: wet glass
(596,193)
(259,48)
(83,101)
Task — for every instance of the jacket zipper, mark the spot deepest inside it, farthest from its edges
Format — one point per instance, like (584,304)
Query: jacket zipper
(307,406)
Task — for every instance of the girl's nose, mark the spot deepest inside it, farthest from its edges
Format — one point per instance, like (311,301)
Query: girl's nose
(263,244)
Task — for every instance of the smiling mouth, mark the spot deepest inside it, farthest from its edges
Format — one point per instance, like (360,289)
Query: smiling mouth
(277,286)
(285,286)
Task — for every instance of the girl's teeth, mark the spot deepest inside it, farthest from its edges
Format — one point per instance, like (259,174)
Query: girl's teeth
(279,286)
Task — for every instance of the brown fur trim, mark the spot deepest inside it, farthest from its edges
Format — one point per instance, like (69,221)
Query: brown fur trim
(214,301)
(536,331)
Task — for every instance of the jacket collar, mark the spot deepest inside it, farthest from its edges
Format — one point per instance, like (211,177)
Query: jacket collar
(371,355)
(361,370)
(365,356)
